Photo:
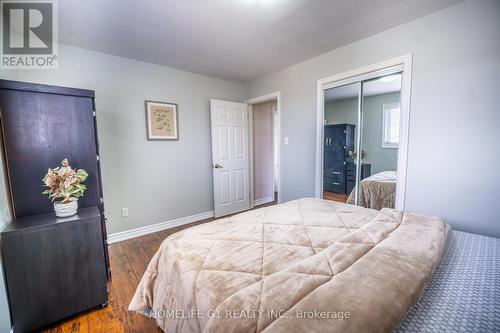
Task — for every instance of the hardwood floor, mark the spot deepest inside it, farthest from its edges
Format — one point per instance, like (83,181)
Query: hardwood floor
(129,260)
(335,197)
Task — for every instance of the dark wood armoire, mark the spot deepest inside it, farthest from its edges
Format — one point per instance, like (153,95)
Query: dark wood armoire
(42,125)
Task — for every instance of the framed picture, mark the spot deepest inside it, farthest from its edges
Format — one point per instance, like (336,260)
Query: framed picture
(161,121)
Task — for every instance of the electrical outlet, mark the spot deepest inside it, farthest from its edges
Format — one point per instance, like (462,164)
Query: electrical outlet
(124,212)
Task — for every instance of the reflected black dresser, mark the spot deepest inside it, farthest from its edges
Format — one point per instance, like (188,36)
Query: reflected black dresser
(339,169)
(339,140)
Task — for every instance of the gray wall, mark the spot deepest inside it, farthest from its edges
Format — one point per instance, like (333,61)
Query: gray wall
(4,307)
(5,218)
(381,159)
(346,111)
(342,111)
(157,180)
(454,122)
(263,155)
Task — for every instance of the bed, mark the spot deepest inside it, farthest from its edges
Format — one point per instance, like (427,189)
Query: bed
(463,294)
(377,191)
(305,265)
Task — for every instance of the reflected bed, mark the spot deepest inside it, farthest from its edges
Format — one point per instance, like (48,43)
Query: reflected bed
(377,191)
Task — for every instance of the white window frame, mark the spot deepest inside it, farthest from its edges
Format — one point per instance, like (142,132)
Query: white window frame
(385,123)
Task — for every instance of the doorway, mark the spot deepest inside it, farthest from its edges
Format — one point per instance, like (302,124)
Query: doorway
(245,160)
(264,115)
(362,135)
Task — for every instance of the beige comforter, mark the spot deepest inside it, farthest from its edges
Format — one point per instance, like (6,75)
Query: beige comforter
(308,265)
(377,191)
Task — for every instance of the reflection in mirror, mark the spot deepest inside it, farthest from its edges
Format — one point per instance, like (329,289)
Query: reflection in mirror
(340,140)
(380,114)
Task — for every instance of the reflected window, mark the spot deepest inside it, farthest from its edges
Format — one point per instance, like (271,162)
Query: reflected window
(390,132)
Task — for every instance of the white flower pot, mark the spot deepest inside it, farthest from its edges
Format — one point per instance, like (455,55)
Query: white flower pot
(66,209)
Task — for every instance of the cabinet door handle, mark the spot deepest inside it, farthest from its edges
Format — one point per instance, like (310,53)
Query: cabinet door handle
(336,173)
(336,183)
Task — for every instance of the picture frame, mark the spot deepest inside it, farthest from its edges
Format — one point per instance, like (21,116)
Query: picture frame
(162,120)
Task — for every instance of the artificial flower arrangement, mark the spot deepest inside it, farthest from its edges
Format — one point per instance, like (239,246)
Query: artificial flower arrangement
(64,187)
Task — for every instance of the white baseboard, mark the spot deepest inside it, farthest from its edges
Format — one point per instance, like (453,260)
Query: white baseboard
(124,235)
(262,201)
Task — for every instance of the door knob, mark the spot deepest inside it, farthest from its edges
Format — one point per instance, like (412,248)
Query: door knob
(217,166)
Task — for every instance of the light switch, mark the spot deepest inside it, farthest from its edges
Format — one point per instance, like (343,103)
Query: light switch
(286,140)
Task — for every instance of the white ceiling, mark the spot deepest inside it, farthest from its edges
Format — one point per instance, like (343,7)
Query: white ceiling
(238,40)
(390,83)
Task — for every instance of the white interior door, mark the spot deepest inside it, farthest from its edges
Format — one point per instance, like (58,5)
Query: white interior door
(230,157)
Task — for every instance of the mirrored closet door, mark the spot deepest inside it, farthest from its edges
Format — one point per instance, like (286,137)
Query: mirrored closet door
(340,141)
(361,139)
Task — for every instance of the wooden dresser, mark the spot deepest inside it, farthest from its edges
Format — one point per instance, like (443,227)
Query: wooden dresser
(53,267)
